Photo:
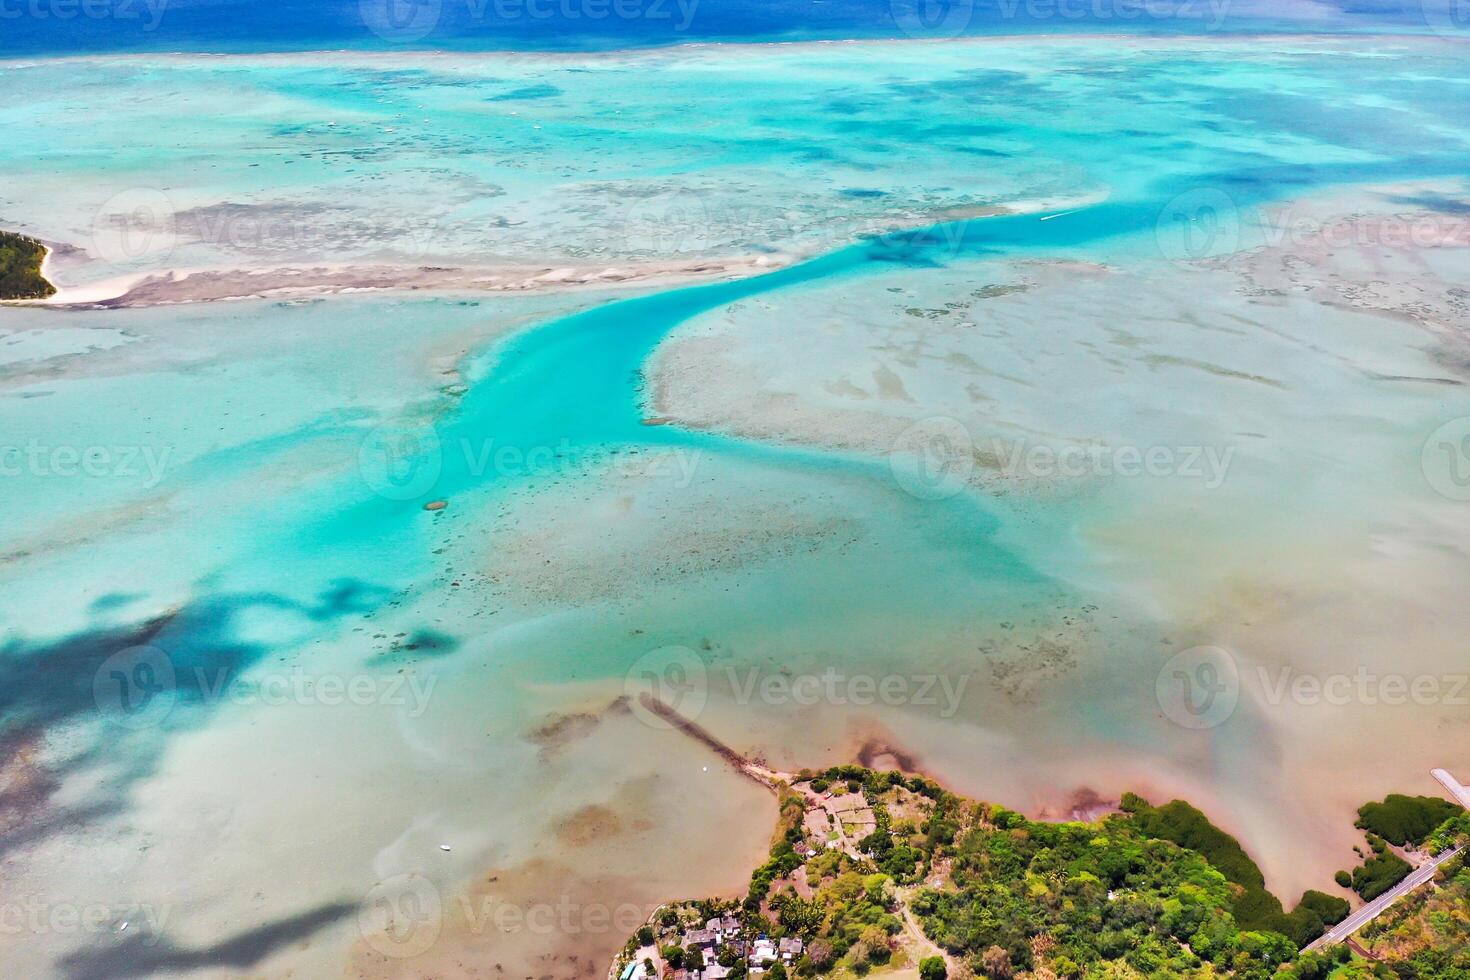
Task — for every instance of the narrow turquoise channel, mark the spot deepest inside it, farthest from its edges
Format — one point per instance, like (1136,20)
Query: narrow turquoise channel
(577,381)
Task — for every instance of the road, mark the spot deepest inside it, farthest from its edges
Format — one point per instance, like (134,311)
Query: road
(1366,914)
(916,933)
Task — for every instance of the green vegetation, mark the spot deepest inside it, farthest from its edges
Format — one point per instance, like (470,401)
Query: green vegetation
(1109,899)
(20,268)
(1149,892)
(1329,908)
(1254,907)
(1380,872)
(1404,817)
(1406,820)
(783,859)
(849,918)
(1451,833)
(1316,966)
(1426,936)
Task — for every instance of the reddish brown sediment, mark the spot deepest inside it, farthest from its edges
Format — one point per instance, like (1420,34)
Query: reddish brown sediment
(876,754)
(26,786)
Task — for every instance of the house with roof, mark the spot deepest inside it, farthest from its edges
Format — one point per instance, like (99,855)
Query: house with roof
(723,928)
(763,952)
(702,938)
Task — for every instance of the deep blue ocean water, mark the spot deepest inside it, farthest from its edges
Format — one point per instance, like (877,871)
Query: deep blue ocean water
(32,27)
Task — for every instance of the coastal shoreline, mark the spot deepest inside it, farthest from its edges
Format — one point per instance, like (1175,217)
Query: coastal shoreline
(843,817)
(175,286)
(602,534)
(27,269)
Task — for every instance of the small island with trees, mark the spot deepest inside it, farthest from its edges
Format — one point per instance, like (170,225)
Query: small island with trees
(20,268)
(887,874)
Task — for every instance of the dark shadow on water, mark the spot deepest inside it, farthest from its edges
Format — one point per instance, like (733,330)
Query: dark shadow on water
(78,683)
(1431,201)
(142,954)
(114,600)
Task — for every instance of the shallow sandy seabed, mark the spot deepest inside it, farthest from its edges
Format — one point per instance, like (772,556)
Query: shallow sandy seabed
(1324,360)
(274,833)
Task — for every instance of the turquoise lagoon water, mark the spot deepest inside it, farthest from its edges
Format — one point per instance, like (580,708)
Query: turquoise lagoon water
(286,531)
